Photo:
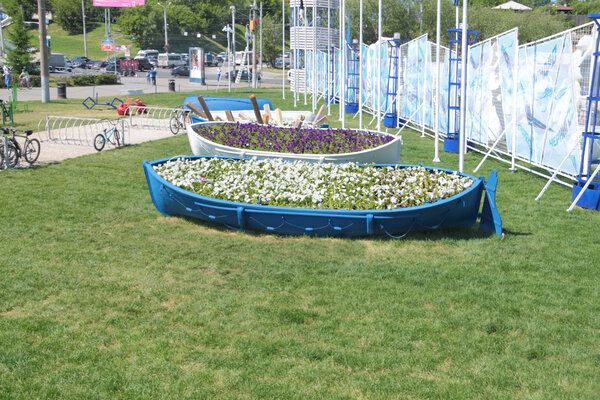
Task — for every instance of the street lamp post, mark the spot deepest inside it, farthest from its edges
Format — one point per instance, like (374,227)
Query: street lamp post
(165,18)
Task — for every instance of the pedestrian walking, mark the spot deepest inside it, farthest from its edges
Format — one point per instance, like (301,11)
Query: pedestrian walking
(148,78)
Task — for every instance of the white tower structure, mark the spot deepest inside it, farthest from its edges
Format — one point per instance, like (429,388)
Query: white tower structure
(313,25)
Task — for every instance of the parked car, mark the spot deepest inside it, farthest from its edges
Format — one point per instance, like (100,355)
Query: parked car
(279,61)
(80,62)
(153,60)
(144,64)
(115,68)
(58,63)
(246,77)
(97,64)
(211,60)
(182,70)
(223,56)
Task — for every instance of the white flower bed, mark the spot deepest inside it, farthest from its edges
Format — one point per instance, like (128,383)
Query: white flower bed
(301,184)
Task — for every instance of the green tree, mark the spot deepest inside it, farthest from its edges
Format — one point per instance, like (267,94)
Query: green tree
(19,36)
(146,23)
(67,14)
(271,38)
(24,7)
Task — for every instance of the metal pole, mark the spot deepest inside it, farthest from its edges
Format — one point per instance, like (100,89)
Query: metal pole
(294,49)
(260,27)
(294,24)
(340,61)
(228,58)
(463,90)
(2,33)
(314,57)
(253,16)
(329,55)
(232,8)
(43,52)
(283,48)
(436,123)
(84,32)
(344,58)
(165,21)
(360,77)
(379,69)
(305,24)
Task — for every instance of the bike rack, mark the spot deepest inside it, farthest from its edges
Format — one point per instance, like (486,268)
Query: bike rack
(78,131)
(152,117)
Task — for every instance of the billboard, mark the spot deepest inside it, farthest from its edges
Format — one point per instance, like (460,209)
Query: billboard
(118,3)
(196,65)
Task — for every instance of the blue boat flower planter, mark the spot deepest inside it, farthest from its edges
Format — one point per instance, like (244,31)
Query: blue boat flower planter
(461,210)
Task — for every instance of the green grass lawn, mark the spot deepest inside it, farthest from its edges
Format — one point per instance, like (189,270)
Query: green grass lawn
(73,45)
(103,297)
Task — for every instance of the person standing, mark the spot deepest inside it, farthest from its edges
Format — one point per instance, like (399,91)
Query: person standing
(153,76)
(7,76)
(148,78)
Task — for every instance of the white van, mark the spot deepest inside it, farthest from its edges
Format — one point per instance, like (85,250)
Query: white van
(146,54)
(170,60)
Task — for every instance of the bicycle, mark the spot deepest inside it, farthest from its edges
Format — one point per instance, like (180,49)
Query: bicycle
(178,121)
(110,135)
(30,150)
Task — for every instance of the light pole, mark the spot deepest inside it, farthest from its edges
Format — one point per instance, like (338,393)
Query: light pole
(165,18)
(228,29)
(232,8)
(84,33)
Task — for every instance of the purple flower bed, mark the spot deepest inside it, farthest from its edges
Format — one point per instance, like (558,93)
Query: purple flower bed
(292,140)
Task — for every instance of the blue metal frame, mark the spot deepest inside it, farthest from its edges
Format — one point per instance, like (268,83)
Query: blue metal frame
(390,119)
(352,78)
(591,198)
(451,143)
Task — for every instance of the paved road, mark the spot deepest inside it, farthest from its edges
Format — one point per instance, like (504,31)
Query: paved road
(137,84)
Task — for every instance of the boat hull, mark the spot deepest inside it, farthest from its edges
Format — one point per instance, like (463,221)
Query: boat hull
(460,210)
(388,153)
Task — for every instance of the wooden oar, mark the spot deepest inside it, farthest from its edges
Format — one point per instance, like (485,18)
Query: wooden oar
(205,108)
(195,109)
(256,109)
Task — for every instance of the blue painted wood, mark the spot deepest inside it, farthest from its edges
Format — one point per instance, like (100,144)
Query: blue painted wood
(227,103)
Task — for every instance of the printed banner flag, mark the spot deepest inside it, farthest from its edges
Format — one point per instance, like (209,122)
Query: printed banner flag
(118,3)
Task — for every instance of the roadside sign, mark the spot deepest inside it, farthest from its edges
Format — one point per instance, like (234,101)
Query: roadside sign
(107,45)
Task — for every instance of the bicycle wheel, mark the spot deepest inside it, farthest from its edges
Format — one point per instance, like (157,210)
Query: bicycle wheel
(32,151)
(117,137)
(13,156)
(174,125)
(99,142)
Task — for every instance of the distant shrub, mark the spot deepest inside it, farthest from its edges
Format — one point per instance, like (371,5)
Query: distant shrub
(106,79)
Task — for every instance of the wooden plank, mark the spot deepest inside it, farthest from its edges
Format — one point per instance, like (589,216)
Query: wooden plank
(256,109)
(244,117)
(278,117)
(299,121)
(267,118)
(229,116)
(321,121)
(195,109)
(267,110)
(320,113)
(205,108)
